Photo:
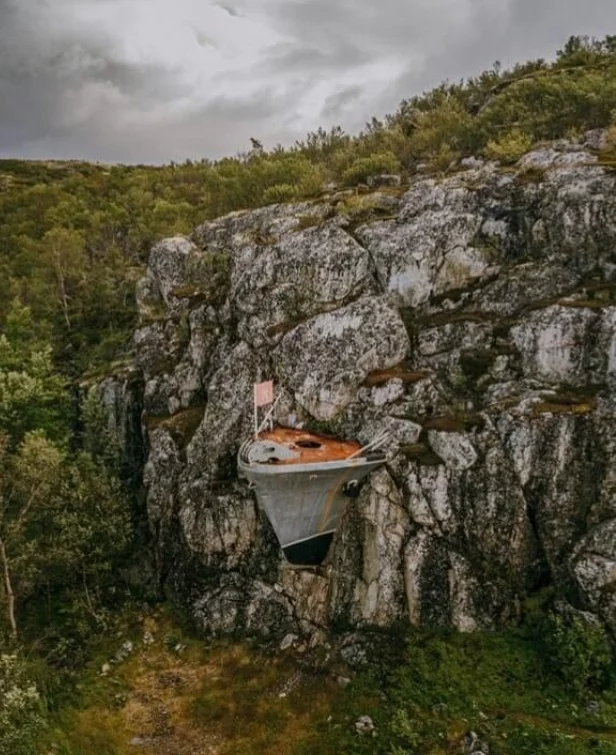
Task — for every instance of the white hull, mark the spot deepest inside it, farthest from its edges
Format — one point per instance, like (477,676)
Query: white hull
(306,501)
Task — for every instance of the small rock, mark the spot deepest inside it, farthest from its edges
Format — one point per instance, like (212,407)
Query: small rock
(593,707)
(138,742)
(316,640)
(343,681)
(596,138)
(354,654)
(148,638)
(379,201)
(455,449)
(364,725)
(472,162)
(288,641)
(384,179)
(474,746)
(125,650)
(105,669)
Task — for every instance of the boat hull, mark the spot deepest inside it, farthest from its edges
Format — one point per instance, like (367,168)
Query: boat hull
(310,552)
(304,502)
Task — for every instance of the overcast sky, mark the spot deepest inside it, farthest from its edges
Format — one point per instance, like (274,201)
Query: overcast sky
(160,80)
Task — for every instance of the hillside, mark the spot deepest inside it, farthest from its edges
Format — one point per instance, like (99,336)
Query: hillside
(448,272)
(103,219)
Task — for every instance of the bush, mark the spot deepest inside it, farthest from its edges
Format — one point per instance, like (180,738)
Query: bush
(278,194)
(509,148)
(444,158)
(578,651)
(365,167)
(21,721)
(311,182)
(210,272)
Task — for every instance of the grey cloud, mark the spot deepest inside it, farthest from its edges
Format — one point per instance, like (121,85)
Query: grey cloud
(525,29)
(58,90)
(384,28)
(336,104)
(69,92)
(203,39)
(229,9)
(35,106)
(310,59)
(223,127)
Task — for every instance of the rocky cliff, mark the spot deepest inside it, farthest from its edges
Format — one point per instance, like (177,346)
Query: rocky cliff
(475,316)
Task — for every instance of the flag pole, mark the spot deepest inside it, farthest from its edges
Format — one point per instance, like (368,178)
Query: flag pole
(256,412)
(271,411)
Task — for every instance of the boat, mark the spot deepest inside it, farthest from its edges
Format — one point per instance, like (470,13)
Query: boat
(303,482)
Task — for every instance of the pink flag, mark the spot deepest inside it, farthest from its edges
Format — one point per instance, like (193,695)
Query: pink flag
(264,393)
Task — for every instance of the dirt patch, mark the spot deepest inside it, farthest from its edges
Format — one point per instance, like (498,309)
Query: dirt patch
(182,696)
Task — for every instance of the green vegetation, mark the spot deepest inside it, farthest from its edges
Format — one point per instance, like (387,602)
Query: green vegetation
(500,686)
(65,530)
(21,721)
(427,693)
(74,239)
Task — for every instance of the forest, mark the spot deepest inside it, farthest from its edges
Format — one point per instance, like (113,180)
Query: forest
(74,240)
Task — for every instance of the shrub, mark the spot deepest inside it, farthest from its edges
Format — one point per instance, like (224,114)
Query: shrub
(364,167)
(610,144)
(443,158)
(20,709)
(509,148)
(278,194)
(578,651)
(210,272)
(311,182)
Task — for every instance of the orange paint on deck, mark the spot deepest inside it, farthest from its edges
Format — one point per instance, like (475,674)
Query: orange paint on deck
(312,448)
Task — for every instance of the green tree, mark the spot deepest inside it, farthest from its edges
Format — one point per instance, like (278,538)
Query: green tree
(65,252)
(26,481)
(32,394)
(64,523)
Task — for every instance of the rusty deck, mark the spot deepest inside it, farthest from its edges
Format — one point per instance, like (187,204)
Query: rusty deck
(312,448)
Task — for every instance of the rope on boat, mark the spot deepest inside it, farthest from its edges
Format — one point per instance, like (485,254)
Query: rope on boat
(373,445)
(270,412)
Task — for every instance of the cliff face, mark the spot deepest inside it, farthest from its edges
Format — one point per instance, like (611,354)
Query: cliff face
(473,315)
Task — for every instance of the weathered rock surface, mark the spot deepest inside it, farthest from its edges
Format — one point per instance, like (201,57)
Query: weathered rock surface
(479,325)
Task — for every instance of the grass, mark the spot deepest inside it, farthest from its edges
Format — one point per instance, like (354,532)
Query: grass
(572,401)
(182,425)
(226,698)
(261,705)
(456,423)
(496,685)
(401,372)
(553,407)
(421,453)
(219,697)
